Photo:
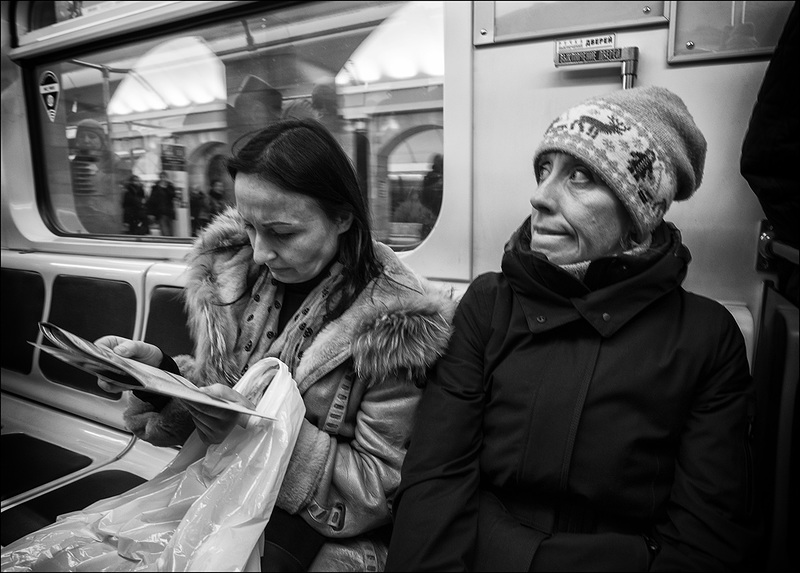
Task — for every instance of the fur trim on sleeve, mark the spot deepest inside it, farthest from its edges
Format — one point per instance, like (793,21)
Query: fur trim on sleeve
(310,456)
(169,427)
(396,329)
(220,269)
(403,341)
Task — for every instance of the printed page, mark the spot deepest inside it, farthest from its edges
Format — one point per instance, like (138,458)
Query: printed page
(126,373)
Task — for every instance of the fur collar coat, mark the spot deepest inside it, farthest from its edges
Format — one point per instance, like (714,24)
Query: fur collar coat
(360,379)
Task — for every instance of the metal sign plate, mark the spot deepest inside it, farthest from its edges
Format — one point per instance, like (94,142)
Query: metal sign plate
(587,50)
(49,90)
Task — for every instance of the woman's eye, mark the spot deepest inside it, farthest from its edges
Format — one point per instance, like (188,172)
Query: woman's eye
(544,171)
(581,176)
(281,235)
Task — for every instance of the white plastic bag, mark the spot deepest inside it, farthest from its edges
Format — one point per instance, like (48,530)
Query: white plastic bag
(205,511)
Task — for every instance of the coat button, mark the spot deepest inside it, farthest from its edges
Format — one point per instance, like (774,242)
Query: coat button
(257,298)
(249,318)
(541,319)
(249,345)
(606,316)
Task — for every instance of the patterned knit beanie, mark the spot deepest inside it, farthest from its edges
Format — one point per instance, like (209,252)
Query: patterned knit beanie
(643,144)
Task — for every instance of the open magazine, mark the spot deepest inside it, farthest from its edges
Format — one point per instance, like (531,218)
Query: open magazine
(126,373)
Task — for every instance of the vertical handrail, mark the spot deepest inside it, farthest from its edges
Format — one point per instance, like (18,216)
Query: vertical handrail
(630,63)
(769,247)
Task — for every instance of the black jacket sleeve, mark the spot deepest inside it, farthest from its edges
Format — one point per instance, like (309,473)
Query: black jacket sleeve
(710,519)
(436,506)
(772,143)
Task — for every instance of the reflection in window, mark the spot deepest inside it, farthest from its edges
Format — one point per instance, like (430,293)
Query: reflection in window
(48,13)
(415,186)
(165,112)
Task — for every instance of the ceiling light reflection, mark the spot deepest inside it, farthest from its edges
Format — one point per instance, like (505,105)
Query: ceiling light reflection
(176,74)
(408,44)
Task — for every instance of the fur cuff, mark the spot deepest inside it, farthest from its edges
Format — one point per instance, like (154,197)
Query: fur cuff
(305,470)
(403,342)
(169,427)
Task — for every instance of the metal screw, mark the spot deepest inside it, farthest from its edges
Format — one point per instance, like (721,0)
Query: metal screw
(690,45)
(646,9)
(484,31)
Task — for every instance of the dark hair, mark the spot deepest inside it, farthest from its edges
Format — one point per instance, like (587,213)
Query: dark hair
(301,156)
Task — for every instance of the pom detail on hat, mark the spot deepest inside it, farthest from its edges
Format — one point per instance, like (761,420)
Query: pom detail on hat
(642,143)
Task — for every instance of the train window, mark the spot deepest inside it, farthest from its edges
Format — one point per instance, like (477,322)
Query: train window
(134,136)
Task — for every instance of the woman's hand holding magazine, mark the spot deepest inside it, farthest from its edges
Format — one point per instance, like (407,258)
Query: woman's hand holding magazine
(139,371)
(213,424)
(133,349)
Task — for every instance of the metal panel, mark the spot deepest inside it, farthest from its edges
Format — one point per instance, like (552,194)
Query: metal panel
(512,21)
(721,30)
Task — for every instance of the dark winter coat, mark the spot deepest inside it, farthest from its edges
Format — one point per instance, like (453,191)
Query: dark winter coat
(600,425)
(771,145)
(770,150)
(133,209)
(160,202)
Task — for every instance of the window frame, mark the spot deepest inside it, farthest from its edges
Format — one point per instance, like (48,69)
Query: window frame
(31,227)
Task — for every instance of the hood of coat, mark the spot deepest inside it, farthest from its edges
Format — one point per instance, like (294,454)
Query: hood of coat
(614,290)
(398,326)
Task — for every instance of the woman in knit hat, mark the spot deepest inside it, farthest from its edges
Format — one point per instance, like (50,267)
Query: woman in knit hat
(589,414)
